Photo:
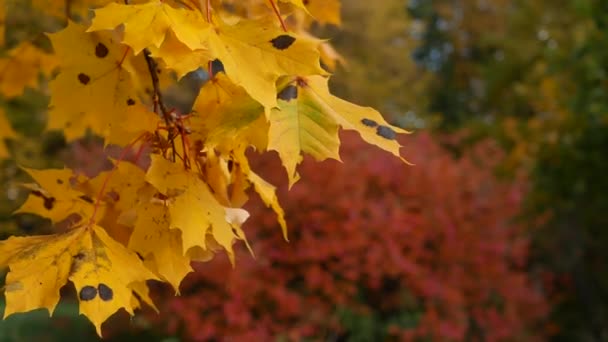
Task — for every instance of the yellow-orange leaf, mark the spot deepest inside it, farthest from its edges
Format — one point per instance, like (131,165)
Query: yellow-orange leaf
(53,197)
(21,68)
(94,87)
(148,24)
(268,52)
(100,268)
(160,246)
(192,207)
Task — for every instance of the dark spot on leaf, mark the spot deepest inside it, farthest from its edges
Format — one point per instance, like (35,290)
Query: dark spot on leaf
(290,92)
(386,132)
(130,102)
(230,165)
(217,66)
(87,293)
(283,41)
(101,50)
(369,122)
(105,292)
(84,79)
(86,199)
(49,203)
(79,256)
(306,2)
(59,181)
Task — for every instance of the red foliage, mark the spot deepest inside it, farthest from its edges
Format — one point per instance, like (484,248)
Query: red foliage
(377,237)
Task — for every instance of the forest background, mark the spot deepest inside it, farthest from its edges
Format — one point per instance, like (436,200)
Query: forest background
(495,234)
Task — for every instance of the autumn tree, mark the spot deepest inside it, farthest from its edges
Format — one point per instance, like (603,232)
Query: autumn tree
(179,199)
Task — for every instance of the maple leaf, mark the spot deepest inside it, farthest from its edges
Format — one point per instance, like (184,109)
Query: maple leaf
(325,11)
(160,246)
(230,117)
(365,120)
(179,57)
(22,67)
(53,196)
(265,190)
(6,131)
(300,125)
(94,80)
(100,268)
(267,51)
(192,208)
(148,24)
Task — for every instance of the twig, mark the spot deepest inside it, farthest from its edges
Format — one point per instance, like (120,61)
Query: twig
(157,96)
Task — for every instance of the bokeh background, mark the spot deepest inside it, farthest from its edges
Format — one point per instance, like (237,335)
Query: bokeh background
(498,233)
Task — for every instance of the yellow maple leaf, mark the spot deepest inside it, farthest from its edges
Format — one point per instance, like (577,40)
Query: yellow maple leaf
(21,68)
(148,24)
(299,125)
(53,196)
(325,11)
(94,80)
(265,190)
(365,120)
(100,268)
(193,208)
(268,52)
(227,117)
(180,58)
(160,246)
(6,132)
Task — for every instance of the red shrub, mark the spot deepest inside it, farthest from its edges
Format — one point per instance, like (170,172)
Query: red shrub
(375,236)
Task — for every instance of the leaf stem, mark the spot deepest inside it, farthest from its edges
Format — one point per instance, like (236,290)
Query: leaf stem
(278,14)
(157,96)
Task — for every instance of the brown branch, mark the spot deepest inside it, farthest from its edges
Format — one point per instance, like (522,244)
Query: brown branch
(157,96)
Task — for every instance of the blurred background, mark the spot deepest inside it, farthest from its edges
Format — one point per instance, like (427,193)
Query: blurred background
(498,233)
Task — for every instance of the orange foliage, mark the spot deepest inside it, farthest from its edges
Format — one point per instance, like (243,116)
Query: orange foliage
(369,235)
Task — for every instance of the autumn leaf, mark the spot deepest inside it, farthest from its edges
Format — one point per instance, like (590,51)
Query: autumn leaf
(22,67)
(192,207)
(299,125)
(93,80)
(160,246)
(179,57)
(100,268)
(148,24)
(325,11)
(365,120)
(53,196)
(227,117)
(268,52)
(265,190)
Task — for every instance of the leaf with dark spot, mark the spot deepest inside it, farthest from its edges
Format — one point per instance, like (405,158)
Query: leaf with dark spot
(59,181)
(84,79)
(386,132)
(101,50)
(130,102)
(289,93)
(105,292)
(282,42)
(217,66)
(87,293)
(369,122)
(86,199)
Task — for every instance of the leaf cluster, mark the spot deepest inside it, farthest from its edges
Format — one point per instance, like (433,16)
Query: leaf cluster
(111,64)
